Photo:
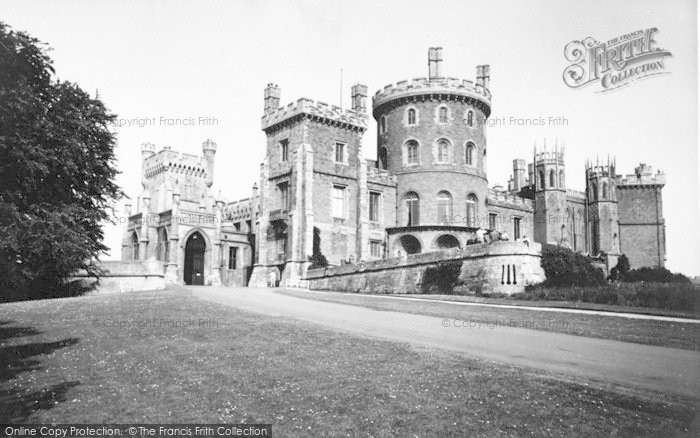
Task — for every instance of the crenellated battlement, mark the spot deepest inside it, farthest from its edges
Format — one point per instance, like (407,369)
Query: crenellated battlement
(238,210)
(425,86)
(315,110)
(505,199)
(550,157)
(168,160)
(644,176)
(575,195)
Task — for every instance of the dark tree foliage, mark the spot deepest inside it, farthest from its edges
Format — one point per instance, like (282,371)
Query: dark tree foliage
(57,172)
(441,279)
(655,274)
(318,260)
(564,267)
(621,269)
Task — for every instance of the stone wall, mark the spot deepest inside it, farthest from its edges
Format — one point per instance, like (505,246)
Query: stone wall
(123,276)
(499,267)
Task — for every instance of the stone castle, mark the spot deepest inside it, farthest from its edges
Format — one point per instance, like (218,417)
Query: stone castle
(427,192)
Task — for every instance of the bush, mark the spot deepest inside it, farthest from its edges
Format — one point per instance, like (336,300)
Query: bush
(656,274)
(669,296)
(441,278)
(564,267)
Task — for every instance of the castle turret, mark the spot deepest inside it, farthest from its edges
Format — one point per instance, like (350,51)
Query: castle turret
(518,182)
(601,197)
(550,196)
(209,150)
(147,151)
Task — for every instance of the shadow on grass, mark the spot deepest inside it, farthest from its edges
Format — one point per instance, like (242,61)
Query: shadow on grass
(16,403)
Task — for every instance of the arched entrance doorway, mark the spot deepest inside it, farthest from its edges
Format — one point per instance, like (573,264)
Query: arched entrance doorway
(447,241)
(410,244)
(194,259)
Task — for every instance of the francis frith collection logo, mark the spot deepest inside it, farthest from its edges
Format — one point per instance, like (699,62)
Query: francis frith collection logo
(616,62)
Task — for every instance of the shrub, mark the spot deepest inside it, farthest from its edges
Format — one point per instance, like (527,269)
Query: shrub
(564,267)
(441,278)
(656,274)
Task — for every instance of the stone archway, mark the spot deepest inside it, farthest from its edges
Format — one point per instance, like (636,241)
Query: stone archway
(194,259)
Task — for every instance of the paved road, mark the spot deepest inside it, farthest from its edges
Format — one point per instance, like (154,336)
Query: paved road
(633,365)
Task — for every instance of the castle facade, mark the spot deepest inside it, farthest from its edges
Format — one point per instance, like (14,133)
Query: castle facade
(427,191)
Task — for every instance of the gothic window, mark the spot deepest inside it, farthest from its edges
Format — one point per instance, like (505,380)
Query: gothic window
(411,117)
(552,177)
(443,151)
(541,179)
(470,118)
(444,207)
(561,178)
(594,191)
(469,158)
(412,208)
(411,152)
(442,118)
(605,190)
(471,210)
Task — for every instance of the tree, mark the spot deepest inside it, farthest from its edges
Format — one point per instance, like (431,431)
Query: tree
(621,269)
(57,172)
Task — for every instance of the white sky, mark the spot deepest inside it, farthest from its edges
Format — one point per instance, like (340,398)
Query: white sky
(182,59)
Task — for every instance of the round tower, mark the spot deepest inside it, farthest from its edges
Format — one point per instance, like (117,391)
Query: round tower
(431,136)
(209,151)
(147,151)
(601,198)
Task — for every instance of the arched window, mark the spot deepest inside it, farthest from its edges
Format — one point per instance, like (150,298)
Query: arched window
(561,179)
(605,190)
(412,156)
(444,207)
(383,158)
(552,177)
(541,180)
(469,158)
(382,125)
(411,117)
(412,209)
(472,212)
(470,118)
(443,151)
(594,191)
(443,115)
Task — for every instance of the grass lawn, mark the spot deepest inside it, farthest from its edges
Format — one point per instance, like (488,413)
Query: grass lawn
(668,334)
(200,362)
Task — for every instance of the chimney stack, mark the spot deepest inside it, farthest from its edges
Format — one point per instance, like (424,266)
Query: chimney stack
(359,98)
(272,98)
(483,75)
(434,62)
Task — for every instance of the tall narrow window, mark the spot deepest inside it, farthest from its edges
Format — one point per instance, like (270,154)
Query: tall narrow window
(412,152)
(470,154)
(340,152)
(232,257)
(283,200)
(551,178)
(493,218)
(443,114)
(443,151)
(375,248)
(284,150)
(470,118)
(411,116)
(516,228)
(338,201)
(594,191)
(605,190)
(383,158)
(413,209)
(561,179)
(542,182)
(374,206)
(382,125)
(471,210)
(444,207)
